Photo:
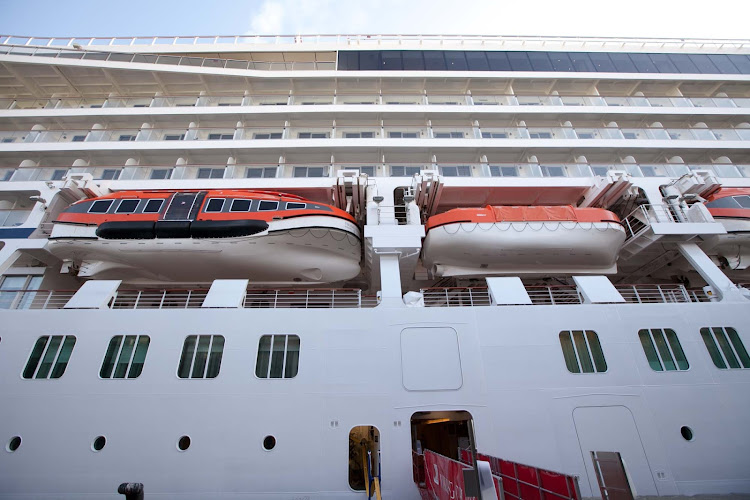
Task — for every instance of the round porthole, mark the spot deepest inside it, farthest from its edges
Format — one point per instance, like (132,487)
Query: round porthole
(184,443)
(269,442)
(13,444)
(99,443)
(687,433)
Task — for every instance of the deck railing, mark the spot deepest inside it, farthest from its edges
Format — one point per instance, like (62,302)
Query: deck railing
(35,299)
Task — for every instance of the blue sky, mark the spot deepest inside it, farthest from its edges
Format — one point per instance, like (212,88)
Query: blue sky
(652,18)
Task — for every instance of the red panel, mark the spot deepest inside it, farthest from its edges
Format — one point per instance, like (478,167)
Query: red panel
(553,481)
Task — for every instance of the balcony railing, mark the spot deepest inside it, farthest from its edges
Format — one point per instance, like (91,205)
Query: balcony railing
(34,299)
(640,219)
(379,99)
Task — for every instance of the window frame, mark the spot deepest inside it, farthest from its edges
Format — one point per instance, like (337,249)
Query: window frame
(194,354)
(148,201)
(111,202)
(235,200)
(116,362)
(739,351)
(657,349)
(591,357)
(208,202)
(135,209)
(261,202)
(45,352)
(285,356)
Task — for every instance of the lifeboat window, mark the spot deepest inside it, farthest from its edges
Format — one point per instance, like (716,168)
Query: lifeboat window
(727,202)
(295,206)
(241,205)
(153,206)
(744,201)
(278,356)
(125,356)
(100,206)
(725,347)
(201,356)
(663,349)
(214,205)
(268,205)
(127,206)
(50,356)
(582,351)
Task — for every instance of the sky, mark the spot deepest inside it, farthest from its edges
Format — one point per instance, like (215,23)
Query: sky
(637,18)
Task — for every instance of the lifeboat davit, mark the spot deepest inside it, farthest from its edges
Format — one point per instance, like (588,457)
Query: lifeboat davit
(198,236)
(515,240)
(731,207)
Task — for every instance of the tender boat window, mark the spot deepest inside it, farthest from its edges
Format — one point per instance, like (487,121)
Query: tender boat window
(725,347)
(582,351)
(201,356)
(125,356)
(744,201)
(214,205)
(295,206)
(100,206)
(127,206)
(50,356)
(268,205)
(663,349)
(278,356)
(241,205)
(153,206)
(727,202)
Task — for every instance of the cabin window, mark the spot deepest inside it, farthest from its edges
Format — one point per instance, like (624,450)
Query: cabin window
(174,137)
(494,135)
(125,356)
(79,138)
(449,135)
(268,205)
(220,137)
(271,135)
(161,173)
(725,347)
(358,135)
(403,171)
(210,173)
(663,350)
(50,356)
(241,205)
(100,206)
(153,206)
(582,351)
(278,356)
(260,172)
(309,171)
(110,174)
(126,138)
(214,205)
(295,206)
(201,356)
(403,135)
(312,135)
(127,206)
(497,171)
(58,175)
(457,171)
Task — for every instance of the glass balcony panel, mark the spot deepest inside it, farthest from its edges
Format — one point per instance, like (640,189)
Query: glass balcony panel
(616,101)
(570,100)
(312,100)
(742,102)
(395,132)
(357,132)
(447,100)
(655,133)
(726,170)
(357,99)
(660,102)
(743,133)
(398,99)
(726,134)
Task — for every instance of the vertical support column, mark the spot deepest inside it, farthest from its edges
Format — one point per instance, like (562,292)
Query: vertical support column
(723,286)
(390,281)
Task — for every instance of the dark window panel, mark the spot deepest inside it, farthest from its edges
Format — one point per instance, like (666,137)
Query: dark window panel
(391,60)
(742,62)
(723,63)
(498,61)
(683,63)
(703,63)
(581,62)
(561,61)
(519,61)
(434,60)
(455,60)
(602,62)
(413,60)
(477,61)
(663,63)
(622,63)
(540,61)
(643,63)
(349,60)
(369,60)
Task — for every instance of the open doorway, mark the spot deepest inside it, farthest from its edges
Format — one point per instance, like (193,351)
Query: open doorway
(443,432)
(363,439)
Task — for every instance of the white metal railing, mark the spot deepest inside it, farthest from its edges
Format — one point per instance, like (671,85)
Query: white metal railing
(34,299)
(158,299)
(661,294)
(550,42)
(308,299)
(455,297)
(554,295)
(640,219)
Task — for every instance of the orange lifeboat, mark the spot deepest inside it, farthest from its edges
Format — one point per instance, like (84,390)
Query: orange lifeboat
(522,240)
(731,207)
(198,236)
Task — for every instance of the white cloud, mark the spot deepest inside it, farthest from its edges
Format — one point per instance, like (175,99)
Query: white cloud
(270,19)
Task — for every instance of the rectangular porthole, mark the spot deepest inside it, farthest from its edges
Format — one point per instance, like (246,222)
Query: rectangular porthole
(201,356)
(50,356)
(278,356)
(100,207)
(725,347)
(127,206)
(663,350)
(214,205)
(268,205)
(582,351)
(125,356)
(153,206)
(241,205)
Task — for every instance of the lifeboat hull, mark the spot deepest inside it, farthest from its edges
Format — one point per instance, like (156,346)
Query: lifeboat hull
(732,249)
(523,248)
(307,250)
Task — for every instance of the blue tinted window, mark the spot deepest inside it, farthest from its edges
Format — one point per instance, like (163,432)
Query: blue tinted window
(643,63)
(519,61)
(623,63)
(683,63)
(434,60)
(723,63)
(581,62)
(498,61)
(663,63)
(390,59)
(412,60)
(369,60)
(602,62)
(561,61)
(455,60)
(477,61)
(742,62)
(703,63)
(348,60)
(540,61)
